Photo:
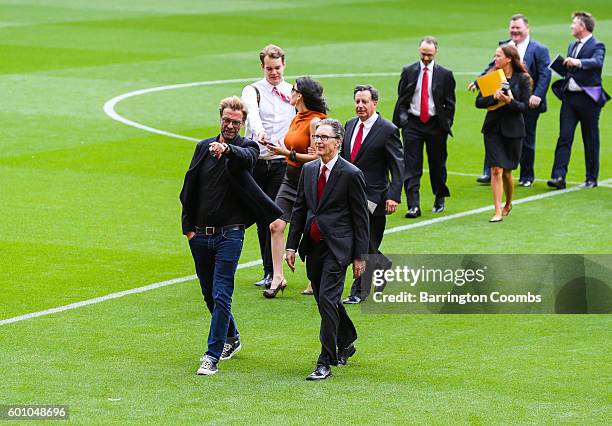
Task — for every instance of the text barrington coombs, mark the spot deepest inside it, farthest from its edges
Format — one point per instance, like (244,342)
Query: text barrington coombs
(412,276)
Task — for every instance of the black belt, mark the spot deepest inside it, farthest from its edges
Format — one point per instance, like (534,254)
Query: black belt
(273,161)
(212,230)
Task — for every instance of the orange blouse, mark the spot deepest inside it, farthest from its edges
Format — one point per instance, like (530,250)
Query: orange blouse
(298,135)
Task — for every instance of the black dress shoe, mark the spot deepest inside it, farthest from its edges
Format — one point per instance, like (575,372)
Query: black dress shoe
(266,281)
(590,184)
(321,372)
(346,353)
(438,206)
(484,179)
(558,183)
(413,213)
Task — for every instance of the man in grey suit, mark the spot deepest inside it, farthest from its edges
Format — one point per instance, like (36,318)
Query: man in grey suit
(330,226)
(373,145)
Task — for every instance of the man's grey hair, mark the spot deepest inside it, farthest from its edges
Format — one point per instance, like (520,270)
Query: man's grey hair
(334,124)
(429,40)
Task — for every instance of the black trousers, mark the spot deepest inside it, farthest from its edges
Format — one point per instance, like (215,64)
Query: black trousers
(578,107)
(415,135)
(268,174)
(327,278)
(377,230)
(528,150)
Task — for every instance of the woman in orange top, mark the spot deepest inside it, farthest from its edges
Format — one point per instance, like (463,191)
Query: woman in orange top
(307,97)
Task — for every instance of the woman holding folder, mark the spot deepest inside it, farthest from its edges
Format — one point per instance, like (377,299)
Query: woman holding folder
(503,127)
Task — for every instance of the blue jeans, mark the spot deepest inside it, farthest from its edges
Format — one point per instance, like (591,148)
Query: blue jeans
(216,259)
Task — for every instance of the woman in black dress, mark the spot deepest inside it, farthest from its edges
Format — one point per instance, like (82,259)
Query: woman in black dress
(504,128)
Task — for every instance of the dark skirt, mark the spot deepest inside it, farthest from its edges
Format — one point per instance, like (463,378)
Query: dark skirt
(287,193)
(501,151)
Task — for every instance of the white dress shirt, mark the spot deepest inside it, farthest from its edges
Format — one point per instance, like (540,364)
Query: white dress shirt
(330,165)
(367,125)
(273,115)
(572,86)
(415,104)
(521,47)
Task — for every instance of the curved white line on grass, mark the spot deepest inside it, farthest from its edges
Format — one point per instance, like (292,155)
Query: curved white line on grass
(111,296)
(259,262)
(109,106)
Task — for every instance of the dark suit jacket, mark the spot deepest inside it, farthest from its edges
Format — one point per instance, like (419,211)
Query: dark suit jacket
(342,214)
(592,56)
(508,120)
(381,154)
(443,91)
(536,60)
(240,162)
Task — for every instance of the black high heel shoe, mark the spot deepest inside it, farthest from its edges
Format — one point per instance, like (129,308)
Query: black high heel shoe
(270,293)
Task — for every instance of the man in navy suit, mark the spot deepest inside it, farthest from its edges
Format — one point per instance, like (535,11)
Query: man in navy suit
(536,58)
(582,97)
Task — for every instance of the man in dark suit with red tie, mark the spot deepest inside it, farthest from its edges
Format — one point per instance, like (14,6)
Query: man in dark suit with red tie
(582,97)
(373,145)
(329,224)
(425,110)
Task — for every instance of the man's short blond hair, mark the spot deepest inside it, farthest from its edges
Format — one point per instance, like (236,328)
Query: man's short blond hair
(234,103)
(271,51)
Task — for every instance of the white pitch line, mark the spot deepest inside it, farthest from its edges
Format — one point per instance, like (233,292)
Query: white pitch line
(259,261)
(111,296)
(109,106)
(479,210)
(110,111)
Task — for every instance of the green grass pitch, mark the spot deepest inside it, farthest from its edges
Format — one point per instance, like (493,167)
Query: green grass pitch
(89,206)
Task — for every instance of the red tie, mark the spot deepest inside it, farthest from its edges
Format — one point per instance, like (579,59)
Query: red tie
(357,143)
(424,116)
(315,233)
(284,97)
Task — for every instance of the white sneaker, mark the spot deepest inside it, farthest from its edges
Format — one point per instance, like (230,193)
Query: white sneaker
(208,367)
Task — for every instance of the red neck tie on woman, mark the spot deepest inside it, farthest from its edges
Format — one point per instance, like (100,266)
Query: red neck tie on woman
(284,97)
(424,116)
(357,144)
(315,233)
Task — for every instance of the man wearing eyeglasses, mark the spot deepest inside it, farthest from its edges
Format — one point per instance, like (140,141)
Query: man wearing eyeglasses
(270,114)
(220,199)
(329,224)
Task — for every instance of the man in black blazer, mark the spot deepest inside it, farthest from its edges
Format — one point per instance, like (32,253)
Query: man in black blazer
(536,58)
(373,145)
(425,110)
(220,199)
(582,97)
(329,224)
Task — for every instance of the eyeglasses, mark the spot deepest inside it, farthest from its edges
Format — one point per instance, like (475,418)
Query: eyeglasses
(294,90)
(323,138)
(227,122)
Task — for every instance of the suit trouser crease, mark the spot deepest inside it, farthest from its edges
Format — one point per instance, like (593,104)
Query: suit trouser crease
(377,230)
(268,177)
(327,277)
(415,135)
(216,260)
(529,144)
(578,108)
